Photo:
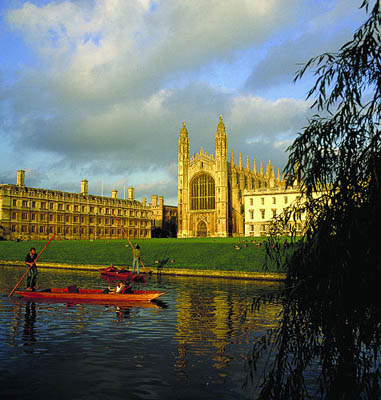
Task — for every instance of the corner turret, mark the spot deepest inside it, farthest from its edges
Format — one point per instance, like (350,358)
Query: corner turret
(182,181)
(183,143)
(221,141)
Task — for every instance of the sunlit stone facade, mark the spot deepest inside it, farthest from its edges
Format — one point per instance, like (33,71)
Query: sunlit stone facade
(262,205)
(210,188)
(30,213)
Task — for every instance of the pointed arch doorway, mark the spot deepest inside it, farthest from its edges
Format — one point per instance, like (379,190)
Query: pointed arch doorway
(202,229)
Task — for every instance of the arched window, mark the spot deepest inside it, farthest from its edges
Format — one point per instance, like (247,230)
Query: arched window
(202,193)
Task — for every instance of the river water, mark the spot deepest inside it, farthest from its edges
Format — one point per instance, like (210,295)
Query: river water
(192,344)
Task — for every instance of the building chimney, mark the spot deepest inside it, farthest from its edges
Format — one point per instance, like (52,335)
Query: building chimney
(130,193)
(154,200)
(84,187)
(20,177)
(114,194)
(144,201)
(161,201)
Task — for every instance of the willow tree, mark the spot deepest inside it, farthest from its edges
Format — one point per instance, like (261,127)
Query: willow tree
(331,319)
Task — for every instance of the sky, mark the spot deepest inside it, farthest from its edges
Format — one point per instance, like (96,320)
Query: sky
(98,89)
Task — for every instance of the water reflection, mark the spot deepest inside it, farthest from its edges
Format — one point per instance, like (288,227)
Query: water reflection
(211,325)
(28,335)
(194,341)
(122,313)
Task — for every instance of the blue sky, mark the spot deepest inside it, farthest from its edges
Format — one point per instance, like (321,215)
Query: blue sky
(98,89)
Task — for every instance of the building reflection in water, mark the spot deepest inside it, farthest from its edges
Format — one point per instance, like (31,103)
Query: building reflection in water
(28,335)
(122,313)
(209,322)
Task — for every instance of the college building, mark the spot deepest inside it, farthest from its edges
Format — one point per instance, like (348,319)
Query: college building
(211,200)
(28,213)
(216,198)
(262,205)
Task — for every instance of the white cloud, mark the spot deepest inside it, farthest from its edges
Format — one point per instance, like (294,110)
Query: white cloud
(260,116)
(117,46)
(323,27)
(115,79)
(282,144)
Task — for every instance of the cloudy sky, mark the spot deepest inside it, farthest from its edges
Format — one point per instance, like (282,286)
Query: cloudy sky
(98,89)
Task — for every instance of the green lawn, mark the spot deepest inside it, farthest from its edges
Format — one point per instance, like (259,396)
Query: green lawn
(207,253)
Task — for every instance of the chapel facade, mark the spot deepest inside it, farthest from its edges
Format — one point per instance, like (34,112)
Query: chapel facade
(211,188)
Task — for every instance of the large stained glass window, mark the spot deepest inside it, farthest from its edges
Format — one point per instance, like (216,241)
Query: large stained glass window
(203,193)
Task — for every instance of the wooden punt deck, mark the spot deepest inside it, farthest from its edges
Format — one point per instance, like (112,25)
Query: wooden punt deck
(90,295)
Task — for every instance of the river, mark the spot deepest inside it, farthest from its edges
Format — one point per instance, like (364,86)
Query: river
(192,344)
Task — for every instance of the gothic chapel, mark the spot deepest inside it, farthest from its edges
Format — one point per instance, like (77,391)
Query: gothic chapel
(210,188)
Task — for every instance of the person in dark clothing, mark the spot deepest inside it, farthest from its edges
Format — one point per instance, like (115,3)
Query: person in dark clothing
(136,259)
(31,278)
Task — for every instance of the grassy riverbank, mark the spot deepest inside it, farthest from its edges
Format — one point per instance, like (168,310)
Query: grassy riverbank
(207,253)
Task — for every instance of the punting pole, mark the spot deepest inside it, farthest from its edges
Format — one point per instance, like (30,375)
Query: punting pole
(125,234)
(18,283)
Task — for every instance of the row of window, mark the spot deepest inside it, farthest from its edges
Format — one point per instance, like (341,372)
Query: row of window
(273,199)
(75,218)
(263,228)
(76,208)
(262,213)
(249,182)
(266,227)
(74,230)
(69,196)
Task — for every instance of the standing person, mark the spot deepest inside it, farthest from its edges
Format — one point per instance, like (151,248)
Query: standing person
(31,278)
(136,258)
